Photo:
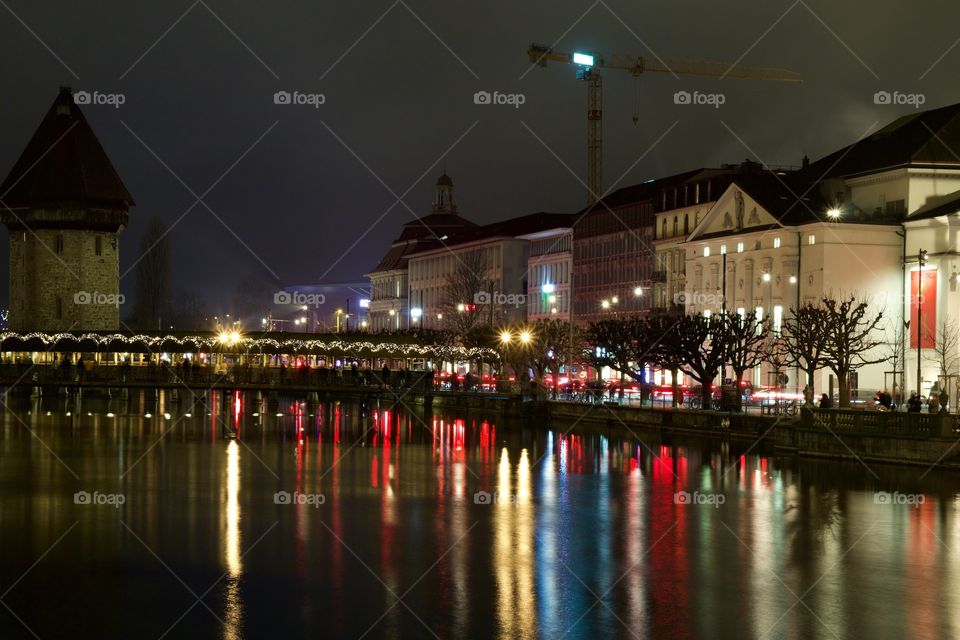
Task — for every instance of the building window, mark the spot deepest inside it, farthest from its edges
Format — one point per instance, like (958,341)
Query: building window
(59,243)
(706,252)
(723,249)
(676,229)
(758,245)
(777,319)
(812,239)
(663,229)
(59,307)
(686,221)
(776,242)
(98,245)
(739,247)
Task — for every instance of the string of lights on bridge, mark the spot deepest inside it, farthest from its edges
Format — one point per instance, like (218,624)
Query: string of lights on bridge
(236,342)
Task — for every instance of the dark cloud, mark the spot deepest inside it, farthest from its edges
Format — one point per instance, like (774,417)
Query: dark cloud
(399,99)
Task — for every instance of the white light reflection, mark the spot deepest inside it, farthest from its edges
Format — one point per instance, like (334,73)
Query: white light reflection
(233,613)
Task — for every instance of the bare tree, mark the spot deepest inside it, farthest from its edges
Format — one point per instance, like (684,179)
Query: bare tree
(153,277)
(186,312)
(619,343)
(851,338)
(894,352)
(804,334)
(701,344)
(745,339)
(464,309)
(946,353)
(550,347)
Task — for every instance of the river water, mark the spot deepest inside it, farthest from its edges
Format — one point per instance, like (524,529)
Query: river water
(230,518)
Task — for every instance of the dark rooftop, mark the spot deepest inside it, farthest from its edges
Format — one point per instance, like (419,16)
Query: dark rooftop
(922,138)
(64,164)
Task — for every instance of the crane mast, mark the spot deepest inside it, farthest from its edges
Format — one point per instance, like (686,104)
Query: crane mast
(588,70)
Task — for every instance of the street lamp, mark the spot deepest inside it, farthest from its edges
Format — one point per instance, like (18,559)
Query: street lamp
(604,304)
(922,260)
(638,291)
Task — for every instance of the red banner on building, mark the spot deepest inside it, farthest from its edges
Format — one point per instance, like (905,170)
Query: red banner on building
(927,297)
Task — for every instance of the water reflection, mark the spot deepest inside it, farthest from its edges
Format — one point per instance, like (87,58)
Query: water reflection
(233,603)
(577,517)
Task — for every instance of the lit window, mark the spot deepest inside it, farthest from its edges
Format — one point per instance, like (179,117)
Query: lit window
(777,318)
(706,313)
(706,252)
(739,247)
(723,249)
(811,239)
(776,242)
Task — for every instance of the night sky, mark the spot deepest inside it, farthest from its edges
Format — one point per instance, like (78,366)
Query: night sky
(295,187)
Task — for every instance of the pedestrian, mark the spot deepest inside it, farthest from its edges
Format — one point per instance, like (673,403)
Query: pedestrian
(913,404)
(826,402)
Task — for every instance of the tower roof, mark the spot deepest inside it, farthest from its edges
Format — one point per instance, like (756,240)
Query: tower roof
(444,180)
(64,163)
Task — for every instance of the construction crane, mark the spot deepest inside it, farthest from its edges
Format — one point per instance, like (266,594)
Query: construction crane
(588,70)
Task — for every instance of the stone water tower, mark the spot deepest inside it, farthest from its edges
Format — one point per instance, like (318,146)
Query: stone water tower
(65,207)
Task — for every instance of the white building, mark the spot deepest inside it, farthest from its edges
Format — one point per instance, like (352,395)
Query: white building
(550,267)
(493,257)
(389,286)
(840,226)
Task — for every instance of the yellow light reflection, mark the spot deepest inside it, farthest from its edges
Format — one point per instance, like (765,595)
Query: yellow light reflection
(513,550)
(232,555)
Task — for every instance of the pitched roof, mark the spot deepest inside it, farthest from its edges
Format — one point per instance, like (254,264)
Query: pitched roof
(922,138)
(64,163)
(938,206)
(435,225)
(645,191)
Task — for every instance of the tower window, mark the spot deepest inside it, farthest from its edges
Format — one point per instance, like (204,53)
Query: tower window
(98,245)
(811,239)
(59,243)
(776,242)
(59,307)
